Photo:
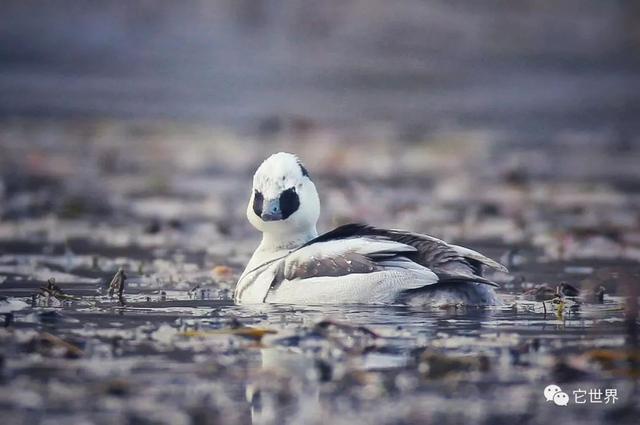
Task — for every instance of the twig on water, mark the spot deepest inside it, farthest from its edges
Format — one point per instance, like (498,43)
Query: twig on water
(53,290)
(116,287)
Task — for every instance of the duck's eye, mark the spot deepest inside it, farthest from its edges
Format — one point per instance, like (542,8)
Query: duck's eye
(258,200)
(289,202)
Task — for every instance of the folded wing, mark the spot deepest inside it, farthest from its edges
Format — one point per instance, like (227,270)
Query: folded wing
(357,270)
(450,263)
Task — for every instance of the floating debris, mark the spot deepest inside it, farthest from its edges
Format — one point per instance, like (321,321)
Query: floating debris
(567,290)
(546,293)
(222,272)
(117,284)
(67,349)
(254,334)
(53,290)
(621,362)
(348,338)
(193,290)
(540,293)
(434,365)
(330,326)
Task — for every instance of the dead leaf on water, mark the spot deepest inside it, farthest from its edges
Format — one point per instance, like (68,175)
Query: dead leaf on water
(255,334)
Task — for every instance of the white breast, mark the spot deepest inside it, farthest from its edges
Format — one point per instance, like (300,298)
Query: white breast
(254,285)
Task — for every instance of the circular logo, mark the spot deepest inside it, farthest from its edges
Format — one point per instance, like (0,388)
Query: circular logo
(550,391)
(561,399)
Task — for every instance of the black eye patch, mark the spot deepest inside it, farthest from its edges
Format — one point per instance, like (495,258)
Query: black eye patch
(289,202)
(258,200)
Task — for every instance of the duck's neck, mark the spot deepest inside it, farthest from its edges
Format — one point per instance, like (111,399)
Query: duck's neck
(288,241)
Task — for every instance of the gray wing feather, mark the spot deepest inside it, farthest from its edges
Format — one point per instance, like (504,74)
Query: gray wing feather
(451,263)
(476,256)
(333,258)
(334,266)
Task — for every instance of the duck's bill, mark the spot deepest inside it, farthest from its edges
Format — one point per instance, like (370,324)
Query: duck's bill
(271,210)
(271,217)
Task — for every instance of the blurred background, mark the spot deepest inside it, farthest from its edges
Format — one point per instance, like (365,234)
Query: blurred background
(534,64)
(421,114)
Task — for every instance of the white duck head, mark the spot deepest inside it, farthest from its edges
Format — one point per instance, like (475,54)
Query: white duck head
(284,203)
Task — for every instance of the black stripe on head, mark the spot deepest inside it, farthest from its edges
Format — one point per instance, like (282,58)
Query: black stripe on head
(303,169)
(258,200)
(289,202)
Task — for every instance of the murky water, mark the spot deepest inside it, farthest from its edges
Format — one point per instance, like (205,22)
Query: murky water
(166,203)
(172,359)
